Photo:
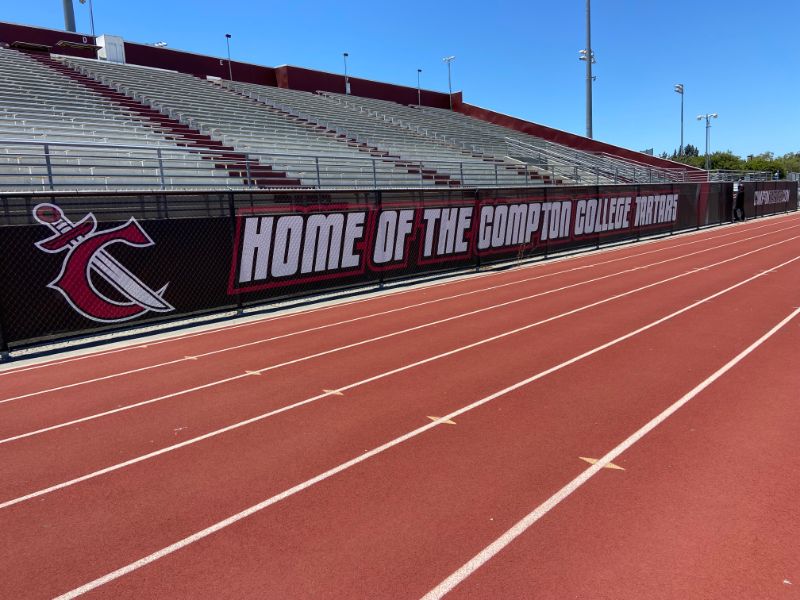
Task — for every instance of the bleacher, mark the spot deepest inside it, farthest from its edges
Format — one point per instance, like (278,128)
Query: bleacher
(306,152)
(56,132)
(398,138)
(74,123)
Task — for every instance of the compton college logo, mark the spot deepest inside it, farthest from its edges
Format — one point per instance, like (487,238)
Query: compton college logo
(87,258)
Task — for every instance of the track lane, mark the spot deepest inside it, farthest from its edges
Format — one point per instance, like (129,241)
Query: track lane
(89,446)
(26,380)
(300,423)
(706,508)
(392,522)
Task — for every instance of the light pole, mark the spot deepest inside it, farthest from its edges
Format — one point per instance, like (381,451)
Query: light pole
(346,78)
(228,43)
(708,118)
(679,89)
(69,16)
(587,55)
(448,60)
(91,14)
(419,89)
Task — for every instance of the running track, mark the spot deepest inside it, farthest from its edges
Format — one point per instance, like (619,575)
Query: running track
(429,442)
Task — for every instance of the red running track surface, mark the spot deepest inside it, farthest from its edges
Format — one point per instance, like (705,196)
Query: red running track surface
(296,457)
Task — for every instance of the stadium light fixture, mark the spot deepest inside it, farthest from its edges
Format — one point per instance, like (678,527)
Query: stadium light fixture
(91,14)
(679,90)
(228,43)
(587,55)
(449,60)
(160,44)
(346,78)
(707,117)
(419,89)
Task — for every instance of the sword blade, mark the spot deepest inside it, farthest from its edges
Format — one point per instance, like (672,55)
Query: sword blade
(127,283)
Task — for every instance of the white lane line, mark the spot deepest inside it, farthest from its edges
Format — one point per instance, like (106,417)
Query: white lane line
(352,345)
(374,315)
(100,581)
(326,393)
(526,522)
(260,320)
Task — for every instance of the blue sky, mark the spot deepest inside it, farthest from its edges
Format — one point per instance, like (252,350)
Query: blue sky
(516,57)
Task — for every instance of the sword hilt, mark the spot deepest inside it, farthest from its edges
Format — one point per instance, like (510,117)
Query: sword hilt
(52,216)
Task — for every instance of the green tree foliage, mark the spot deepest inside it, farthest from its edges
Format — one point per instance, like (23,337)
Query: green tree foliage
(727,160)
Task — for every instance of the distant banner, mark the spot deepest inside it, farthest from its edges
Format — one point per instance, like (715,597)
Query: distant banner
(762,198)
(71,266)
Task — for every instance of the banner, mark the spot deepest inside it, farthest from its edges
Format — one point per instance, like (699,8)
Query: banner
(762,198)
(73,265)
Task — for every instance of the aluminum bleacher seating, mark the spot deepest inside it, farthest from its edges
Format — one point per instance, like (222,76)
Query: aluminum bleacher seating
(306,152)
(59,135)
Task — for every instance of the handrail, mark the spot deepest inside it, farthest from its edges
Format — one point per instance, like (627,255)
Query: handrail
(31,164)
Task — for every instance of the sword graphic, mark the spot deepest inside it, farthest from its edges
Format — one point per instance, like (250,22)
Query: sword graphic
(105,265)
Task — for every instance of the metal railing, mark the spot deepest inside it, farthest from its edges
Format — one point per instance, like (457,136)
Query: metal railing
(732,175)
(35,165)
(590,169)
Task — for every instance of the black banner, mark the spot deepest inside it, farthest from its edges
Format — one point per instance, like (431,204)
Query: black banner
(75,264)
(761,198)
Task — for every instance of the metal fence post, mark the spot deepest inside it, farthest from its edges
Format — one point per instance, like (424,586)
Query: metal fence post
(160,168)
(49,165)
(232,216)
(250,182)
(374,175)
(496,182)
(461,171)
(3,342)
(319,179)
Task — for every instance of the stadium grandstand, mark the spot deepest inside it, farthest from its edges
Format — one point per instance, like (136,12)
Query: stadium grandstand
(100,113)
(272,332)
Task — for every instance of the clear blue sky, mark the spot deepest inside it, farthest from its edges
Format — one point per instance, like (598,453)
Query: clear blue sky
(735,57)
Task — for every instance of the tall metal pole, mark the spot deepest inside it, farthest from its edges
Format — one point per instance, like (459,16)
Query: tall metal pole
(419,90)
(69,16)
(448,60)
(228,43)
(707,117)
(681,148)
(589,61)
(346,78)
(679,89)
(91,16)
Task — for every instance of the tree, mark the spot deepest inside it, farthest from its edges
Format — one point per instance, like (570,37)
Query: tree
(689,150)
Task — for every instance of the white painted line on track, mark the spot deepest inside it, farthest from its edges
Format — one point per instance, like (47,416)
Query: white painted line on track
(109,577)
(383,313)
(545,507)
(158,338)
(325,394)
(352,345)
